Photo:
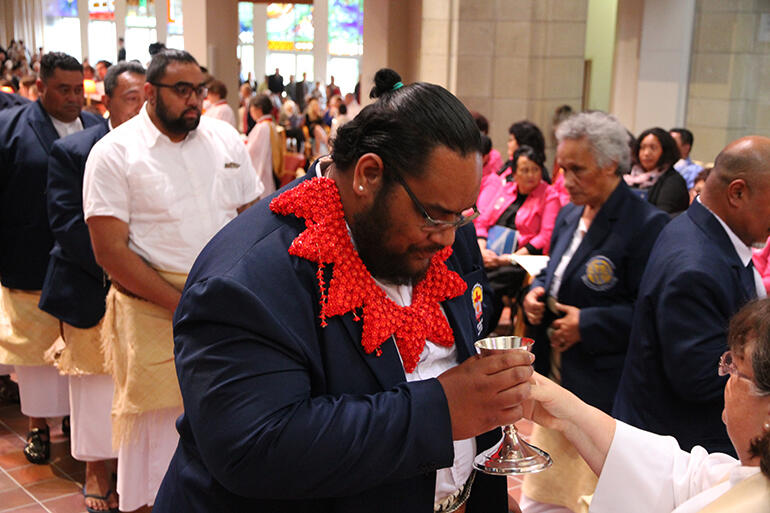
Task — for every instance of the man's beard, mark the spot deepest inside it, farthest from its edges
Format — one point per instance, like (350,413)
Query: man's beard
(180,125)
(370,230)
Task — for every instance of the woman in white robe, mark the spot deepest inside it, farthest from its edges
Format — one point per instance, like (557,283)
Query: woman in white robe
(644,472)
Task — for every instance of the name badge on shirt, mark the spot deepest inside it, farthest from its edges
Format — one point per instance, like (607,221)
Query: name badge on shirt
(232,165)
(600,274)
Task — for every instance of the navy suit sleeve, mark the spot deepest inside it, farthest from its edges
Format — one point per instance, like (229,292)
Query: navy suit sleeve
(65,208)
(247,381)
(691,325)
(606,329)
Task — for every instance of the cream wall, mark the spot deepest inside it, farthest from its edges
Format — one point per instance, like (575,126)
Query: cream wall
(508,59)
(729,90)
(600,45)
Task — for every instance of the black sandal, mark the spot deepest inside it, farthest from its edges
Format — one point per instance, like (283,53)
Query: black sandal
(38,448)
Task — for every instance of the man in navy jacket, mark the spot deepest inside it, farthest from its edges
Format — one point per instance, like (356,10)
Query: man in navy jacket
(699,274)
(75,286)
(26,136)
(287,407)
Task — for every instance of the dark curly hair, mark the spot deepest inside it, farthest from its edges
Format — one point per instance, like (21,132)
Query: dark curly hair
(404,125)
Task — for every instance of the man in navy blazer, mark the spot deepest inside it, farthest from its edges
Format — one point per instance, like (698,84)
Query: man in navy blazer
(696,279)
(75,286)
(288,411)
(26,136)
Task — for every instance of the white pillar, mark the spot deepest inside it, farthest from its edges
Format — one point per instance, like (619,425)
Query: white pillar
(260,42)
(375,54)
(321,39)
(664,63)
(161,20)
(83,16)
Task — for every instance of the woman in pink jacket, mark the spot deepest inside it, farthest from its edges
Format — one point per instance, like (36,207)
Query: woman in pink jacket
(524,203)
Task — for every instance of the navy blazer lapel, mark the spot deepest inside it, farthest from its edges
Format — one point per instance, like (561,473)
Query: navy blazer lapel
(599,229)
(387,367)
(567,226)
(42,126)
(707,222)
(456,309)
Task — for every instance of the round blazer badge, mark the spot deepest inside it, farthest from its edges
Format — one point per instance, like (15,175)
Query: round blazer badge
(600,274)
(477,295)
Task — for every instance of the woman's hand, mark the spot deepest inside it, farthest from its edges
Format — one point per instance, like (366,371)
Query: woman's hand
(566,331)
(522,251)
(534,307)
(549,405)
(490,258)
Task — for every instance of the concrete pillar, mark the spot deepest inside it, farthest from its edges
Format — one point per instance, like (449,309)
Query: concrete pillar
(625,71)
(729,89)
(83,16)
(120,21)
(664,64)
(211,36)
(321,39)
(508,59)
(260,41)
(161,20)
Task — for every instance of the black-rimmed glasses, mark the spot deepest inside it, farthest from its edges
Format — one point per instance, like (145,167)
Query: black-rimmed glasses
(185,89)
(435,225)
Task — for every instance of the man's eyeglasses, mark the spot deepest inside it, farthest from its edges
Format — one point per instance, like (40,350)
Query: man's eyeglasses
(436,225)
(185,89)
(727,367)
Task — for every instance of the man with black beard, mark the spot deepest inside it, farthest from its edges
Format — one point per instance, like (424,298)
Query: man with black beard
(324,339)
(156,189)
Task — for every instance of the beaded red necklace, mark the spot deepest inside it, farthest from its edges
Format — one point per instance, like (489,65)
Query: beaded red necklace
(352,289)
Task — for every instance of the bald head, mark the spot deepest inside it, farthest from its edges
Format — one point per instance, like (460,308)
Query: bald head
(737,188)
(744,158)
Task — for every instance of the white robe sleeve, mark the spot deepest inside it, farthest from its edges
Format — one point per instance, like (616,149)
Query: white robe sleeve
(649,473)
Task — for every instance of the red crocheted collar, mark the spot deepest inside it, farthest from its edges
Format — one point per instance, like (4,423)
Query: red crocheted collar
(352,288)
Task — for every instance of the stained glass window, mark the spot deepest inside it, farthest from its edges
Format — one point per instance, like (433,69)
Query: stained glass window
(346,27)
(140,13)
(101,9)
(62,9)
(245,23)
(290,27)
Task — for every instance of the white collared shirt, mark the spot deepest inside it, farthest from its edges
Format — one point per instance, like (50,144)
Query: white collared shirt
(743,251)
(174,196)
(558,274)
(434,360)
(65,129)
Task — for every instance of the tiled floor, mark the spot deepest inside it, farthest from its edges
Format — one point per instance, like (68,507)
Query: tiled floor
(27,488)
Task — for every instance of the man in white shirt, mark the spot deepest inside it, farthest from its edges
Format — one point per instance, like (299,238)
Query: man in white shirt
(258,143)
(156,190)
(218,106)
(685,166)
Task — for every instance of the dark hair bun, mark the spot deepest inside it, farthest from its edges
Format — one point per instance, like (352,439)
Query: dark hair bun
(384,80)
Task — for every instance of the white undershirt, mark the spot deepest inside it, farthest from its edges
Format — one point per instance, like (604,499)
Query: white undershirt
(434,360)
(558,274)
(65,129)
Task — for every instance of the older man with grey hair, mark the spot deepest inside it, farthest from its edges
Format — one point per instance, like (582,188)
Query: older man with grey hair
(582,304)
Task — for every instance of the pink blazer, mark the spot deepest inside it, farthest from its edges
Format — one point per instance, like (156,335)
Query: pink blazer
(494,163)
(761,263)
(534,220)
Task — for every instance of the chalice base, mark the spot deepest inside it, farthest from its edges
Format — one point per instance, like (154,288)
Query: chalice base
(512,456)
